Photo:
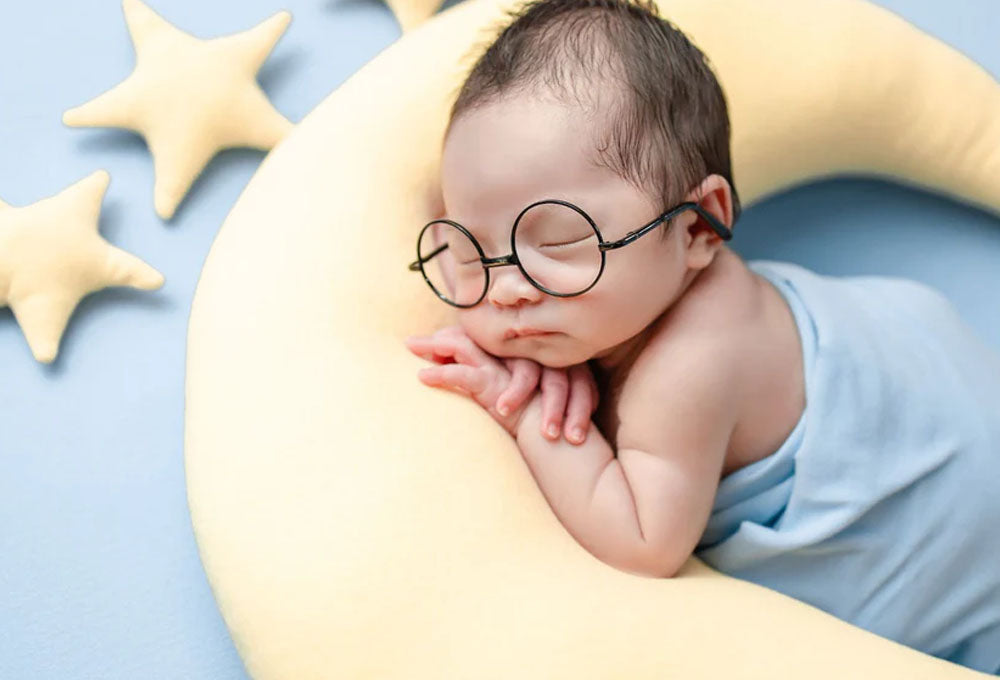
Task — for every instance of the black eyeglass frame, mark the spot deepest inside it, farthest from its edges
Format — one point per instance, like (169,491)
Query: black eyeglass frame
(511,259)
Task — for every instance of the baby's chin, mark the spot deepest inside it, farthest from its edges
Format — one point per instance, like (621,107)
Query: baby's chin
(545,354)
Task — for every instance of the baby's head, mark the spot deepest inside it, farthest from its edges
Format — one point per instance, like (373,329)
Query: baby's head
(602,104)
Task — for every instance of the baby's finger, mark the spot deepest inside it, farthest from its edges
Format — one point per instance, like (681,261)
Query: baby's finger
(579,406)
(423,347)
(467,378)
(555,388)
(523,380)
(467,351)
(444,349)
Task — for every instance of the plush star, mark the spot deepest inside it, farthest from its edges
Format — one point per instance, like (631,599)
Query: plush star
(51,256)
(189,98)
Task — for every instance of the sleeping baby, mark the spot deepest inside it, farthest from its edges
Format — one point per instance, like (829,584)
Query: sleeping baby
(834,439)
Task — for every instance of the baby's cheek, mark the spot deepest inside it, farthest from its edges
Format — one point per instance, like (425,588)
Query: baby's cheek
(476,329)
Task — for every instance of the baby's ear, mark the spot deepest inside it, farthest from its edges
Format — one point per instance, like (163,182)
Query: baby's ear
(716,197)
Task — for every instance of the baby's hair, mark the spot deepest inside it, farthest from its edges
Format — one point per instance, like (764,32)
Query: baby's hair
(665,124)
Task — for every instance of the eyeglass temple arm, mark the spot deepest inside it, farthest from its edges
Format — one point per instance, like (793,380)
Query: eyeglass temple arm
(722,230)
(415,265)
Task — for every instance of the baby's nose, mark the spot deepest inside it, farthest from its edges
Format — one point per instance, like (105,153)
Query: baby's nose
(510,288)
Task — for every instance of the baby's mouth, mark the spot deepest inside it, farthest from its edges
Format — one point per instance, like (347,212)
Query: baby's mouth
(524,332)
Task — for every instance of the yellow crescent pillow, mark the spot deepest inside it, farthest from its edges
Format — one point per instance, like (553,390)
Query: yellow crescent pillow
(354,523)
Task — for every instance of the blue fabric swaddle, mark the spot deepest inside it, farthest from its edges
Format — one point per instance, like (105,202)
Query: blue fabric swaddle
(882,507)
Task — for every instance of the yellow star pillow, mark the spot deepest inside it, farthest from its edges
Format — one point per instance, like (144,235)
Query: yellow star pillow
(51,256)
(354,524)
(189,98)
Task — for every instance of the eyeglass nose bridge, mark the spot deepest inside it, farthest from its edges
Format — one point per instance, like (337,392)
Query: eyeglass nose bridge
(503,261)
(490,262)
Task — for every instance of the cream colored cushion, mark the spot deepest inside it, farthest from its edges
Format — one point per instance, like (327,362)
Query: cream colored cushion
(355,523)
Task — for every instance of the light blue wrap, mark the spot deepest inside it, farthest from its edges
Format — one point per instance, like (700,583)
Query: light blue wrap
(882,507)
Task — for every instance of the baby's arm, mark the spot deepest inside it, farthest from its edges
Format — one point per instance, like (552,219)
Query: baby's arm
(645,510)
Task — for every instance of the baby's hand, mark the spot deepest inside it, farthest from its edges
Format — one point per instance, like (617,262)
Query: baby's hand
(468,369)
(565,391)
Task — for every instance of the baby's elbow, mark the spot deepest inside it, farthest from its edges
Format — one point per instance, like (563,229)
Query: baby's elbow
(668,572)
(665,569)
(657,564)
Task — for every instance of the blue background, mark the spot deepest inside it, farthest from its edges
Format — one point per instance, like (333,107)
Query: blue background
(99,570)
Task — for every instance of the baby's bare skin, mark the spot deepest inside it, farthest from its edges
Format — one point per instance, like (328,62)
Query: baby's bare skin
(745,312)
(712,385)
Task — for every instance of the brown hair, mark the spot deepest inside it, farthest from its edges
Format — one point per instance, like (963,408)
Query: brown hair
(665,124)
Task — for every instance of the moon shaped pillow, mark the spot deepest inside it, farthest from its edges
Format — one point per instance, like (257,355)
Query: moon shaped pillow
(354,523)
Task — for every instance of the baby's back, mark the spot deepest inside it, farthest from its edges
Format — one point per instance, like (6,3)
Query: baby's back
(881,505)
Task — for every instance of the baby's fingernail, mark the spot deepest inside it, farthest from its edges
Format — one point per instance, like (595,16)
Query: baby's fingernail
(553,430)
(503,410)
(576,435)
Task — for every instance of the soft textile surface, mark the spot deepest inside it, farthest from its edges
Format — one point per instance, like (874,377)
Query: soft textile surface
(879,467)
(354,525)
(51,256)
(189,98)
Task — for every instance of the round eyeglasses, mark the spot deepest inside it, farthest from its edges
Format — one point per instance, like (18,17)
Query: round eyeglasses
(554,243)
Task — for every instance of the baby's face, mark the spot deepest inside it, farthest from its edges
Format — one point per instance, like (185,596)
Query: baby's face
(499,159)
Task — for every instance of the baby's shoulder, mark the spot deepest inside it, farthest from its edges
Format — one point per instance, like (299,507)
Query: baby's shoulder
(699,354)
(715,320)
(697,347)
(687,366)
